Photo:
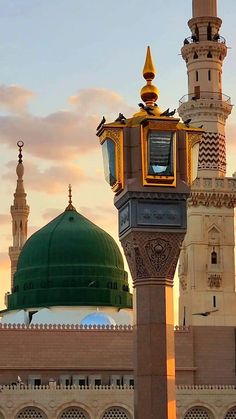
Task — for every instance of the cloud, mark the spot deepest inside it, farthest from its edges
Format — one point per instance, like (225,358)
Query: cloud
(53,179)
(99,101)
(64,134)
(4,260)
(51,213)
(14,98)
(5,219)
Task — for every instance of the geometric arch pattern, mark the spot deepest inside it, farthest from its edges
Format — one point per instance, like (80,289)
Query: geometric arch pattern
(115,412)
(198,413)
(73,413)
(231,414)
(31,412)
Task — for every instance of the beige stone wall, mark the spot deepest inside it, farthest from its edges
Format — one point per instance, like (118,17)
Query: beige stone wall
(213,401)
(204,355)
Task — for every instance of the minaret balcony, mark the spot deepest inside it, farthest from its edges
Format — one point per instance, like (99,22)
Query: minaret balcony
(215,96)
(193,39)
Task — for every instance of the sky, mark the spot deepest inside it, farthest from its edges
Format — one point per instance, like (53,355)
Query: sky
(65,64)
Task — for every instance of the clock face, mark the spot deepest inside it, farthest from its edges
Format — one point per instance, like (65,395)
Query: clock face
(109,161)
(160,153)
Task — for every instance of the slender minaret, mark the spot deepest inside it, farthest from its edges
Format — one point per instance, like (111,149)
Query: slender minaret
(206,267)
(19,213)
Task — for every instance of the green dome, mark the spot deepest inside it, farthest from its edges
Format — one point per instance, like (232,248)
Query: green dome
(70,262)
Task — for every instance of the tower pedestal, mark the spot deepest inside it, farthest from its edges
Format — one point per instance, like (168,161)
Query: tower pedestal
(152,259)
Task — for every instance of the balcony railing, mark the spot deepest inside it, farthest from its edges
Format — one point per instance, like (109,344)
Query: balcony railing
(215,38)
(205,95)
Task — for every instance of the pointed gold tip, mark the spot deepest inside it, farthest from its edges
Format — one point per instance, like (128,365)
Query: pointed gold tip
(149,93)
(70,207)
(149,70)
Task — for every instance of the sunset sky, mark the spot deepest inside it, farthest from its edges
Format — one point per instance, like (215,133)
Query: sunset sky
(65,64)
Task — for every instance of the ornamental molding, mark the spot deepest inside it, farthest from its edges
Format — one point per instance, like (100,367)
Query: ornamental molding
(202,48)
(212,199)
(205,108)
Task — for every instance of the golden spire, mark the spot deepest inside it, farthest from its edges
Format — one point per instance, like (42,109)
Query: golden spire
(70,207)
(149,93)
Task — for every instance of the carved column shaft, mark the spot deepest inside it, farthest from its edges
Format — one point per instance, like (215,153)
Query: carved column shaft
(152,258)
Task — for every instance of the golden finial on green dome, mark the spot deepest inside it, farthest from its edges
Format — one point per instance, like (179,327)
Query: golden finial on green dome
(149,93)
(70,207)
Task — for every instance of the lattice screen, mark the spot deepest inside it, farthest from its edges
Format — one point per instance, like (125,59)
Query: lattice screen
(197,413)
(115,413)
(73,413)
(231,414)
(31,413)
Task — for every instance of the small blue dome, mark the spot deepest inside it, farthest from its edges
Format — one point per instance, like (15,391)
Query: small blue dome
(97,319)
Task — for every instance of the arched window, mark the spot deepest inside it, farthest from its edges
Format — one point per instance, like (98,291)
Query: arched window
(74,413)
(197,32)
(209,32)
(196,75)
(115,412)
(209,55)
(195,56)
(231,414)
(198,412)
(31,412)
(213,257)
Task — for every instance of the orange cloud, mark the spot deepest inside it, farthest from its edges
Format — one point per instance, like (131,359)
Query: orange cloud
(99,101)
(14,98)
(49,180)
(51,213)
(4,260)
(64,134)
(5,219)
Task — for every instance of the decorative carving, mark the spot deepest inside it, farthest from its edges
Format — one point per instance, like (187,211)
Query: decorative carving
(214,280)
(158,252)
(183,282)
(152,256)
(213,199)
(141,270)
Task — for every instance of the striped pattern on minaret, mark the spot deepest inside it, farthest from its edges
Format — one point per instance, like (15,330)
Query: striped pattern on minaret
(212,154)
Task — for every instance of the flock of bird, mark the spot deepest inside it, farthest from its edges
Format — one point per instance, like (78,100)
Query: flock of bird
(149,109)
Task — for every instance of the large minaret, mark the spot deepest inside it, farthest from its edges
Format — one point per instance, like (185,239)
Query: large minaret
(206,268)
(19,213)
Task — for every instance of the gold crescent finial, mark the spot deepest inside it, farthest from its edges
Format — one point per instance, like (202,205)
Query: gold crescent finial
(70,207)
(20,145)
(149,93)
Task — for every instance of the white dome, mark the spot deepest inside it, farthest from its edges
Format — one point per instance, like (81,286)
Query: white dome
(98,318)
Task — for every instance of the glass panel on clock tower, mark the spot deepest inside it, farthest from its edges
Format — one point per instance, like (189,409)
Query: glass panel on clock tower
(160,153)
(109,161)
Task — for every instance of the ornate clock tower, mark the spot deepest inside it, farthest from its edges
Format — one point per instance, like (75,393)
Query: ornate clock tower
(206,268)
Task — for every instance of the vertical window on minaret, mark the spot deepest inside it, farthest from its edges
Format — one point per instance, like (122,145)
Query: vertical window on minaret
(209,55)
(209,32)
(209,75)
(213,257)
(196,75)
(195,56)
(214,301)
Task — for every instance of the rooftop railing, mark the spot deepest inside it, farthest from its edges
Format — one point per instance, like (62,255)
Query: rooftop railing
(205,95)
(215,38)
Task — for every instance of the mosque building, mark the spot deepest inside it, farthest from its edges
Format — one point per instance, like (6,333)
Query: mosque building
(66,332)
